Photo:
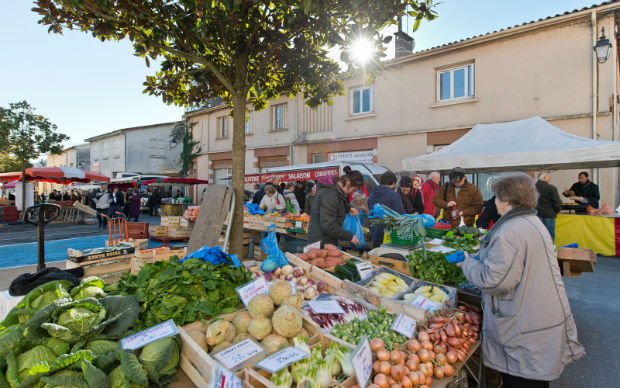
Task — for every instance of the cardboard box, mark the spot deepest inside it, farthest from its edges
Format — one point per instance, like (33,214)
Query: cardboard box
(159,231)
(170,221)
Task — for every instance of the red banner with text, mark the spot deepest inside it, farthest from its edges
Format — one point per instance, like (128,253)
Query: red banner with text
(292,176)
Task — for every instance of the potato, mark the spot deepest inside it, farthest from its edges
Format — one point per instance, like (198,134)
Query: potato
(323,253)
(331,247)
(303,256)
(313,254)
(318,263)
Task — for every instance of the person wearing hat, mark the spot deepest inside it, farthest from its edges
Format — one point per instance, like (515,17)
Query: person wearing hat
(412,199)
(459,199)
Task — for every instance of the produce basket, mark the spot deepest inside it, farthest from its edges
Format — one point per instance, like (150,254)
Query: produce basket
(381,270)
(259,378)
(408,242)
(435,233)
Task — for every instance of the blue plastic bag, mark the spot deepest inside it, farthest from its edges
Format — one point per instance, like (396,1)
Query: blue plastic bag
(275,258)
(455,257)
(353,225)
(254,208)
(214,255)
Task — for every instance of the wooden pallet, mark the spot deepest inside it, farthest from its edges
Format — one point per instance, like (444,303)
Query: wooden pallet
(109,269)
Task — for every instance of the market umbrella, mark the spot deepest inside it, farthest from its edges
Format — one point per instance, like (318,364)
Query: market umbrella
(175,180)
(56,175)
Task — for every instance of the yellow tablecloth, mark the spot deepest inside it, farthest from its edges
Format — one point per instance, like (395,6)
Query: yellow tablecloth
(593,232)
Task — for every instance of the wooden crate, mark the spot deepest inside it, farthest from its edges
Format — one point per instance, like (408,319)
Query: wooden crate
(195,362)
(574,261)
(259,378)
(138,230)
(144,256)
(397,265)
(108,269)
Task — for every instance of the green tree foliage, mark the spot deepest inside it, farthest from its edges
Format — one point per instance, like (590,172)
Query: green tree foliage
(25,135)
(183,133)
(243,51)
(9,163)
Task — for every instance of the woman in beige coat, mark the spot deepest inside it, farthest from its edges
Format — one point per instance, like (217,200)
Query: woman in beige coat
(529,334)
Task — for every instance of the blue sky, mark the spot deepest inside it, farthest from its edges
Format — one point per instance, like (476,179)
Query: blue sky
(87,87)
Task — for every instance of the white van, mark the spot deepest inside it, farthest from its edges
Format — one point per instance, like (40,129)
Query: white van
(370,172)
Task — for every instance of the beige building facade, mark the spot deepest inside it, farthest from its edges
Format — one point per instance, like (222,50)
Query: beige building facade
(429,99)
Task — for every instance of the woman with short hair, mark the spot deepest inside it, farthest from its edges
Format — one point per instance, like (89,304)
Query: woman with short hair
(529,334)
(272,201)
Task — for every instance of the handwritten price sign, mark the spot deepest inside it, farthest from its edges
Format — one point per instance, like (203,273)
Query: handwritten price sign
(238,353)
(362,363)
(152,334)
(249,290)
(282,359)
(404,325)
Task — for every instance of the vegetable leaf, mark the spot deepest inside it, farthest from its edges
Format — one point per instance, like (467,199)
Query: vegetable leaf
(132,369)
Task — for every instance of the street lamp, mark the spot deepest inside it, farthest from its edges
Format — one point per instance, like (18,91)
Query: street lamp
(602,48)
(173,144)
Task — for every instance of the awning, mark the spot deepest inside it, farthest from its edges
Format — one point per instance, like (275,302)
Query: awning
(519,145)
(61,175)
(174,180)
(292,176)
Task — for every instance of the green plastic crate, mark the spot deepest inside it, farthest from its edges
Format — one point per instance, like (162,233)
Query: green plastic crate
(397,240)
(435,233)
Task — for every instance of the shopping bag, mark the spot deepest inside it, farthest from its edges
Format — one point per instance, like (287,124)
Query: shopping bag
(214,255)
(275,258)
(353,225)
(254,209)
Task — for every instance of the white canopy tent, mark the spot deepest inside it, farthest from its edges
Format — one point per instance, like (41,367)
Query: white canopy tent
(530,143)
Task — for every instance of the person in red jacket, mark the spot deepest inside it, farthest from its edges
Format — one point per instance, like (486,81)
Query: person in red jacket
(428,193)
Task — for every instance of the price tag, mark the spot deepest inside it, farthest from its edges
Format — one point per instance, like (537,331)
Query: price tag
(362,363)
(238,353)
(249,290)
(404,325)
(435,241)
(441,249)
(364,269)
(282,359)
(293,287)
(152,334)
(223,378)
(314,245)
(426,304)
(299,224)
(325,307)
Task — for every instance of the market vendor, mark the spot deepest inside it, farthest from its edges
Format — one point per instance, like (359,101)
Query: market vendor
(330,206)
(272,201)
(528,331)
(459,199)
(585,193)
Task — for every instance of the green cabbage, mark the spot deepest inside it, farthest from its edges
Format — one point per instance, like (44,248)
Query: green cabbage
(75,321)
(91,287)
(28,359)
(64,379)
(37,299)
(160,358)
(59,347)
(10,339)
(101,347)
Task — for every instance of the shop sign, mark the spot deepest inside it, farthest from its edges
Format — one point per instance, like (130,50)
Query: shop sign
(292,176)
(353,156)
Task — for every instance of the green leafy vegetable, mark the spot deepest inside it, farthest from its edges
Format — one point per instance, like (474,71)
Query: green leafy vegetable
(468,245)
(186,292)
(74,321)
(95,377)
(58,346)
(160,358)
(10,339)
(433,267)
(30,358)
(63,379)
(132,369)
(37,299)
(91,287)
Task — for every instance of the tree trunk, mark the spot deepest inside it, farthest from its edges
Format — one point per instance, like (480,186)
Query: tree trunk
(238,172)
(23,190)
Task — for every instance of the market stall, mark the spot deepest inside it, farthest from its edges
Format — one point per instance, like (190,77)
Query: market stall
(598,233)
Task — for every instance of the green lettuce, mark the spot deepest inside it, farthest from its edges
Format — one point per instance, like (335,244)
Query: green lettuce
(160,358)
(91,287)
(37,299)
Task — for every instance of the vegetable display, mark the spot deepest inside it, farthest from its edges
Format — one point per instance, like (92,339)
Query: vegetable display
(184,291)
(329,257)
(387,285)
(432,355)
(433,267)
(347,271)
(434,293)
(328,365)
(306,287)
(459,243)
(272,324)
(352,310)
(377,325)
(70,339)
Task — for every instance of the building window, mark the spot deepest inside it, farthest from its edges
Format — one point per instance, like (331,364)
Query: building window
(248,123)
(222,176)
(117,148)
(95,150)
(278,117)
(318,158)
(157,148)
(222,127)
(362,100)
(455,83)
(106,150)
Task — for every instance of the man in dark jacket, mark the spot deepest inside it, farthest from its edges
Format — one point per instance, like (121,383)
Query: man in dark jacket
(459,198)
(329,208)
(386,196)
(586,192)
(300,195)
(549,202)
(412,199)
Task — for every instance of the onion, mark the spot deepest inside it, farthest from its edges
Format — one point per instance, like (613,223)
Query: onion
(406,382)
(277,272)
(451,357)
(385,368)
(377,344)
(396,386)
(373,386)
(303,280)
(413,345)
(448,370)
(298,272)
(395,356)
(427,345)
(423,336)
(287,269)
(429,380)
(439,373)
(441,359)
(397,372)
(415,379)
(375,366)
(381,380)
(321,287)
(412,365)
(383,355)
(414,357)
(289,277)
(423,370)
(424,356)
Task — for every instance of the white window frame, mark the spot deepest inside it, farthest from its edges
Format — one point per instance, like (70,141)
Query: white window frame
(222,127)
(274,120)
(468,88)
(95,152)
(117,148)
(361,91)
(157,148)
